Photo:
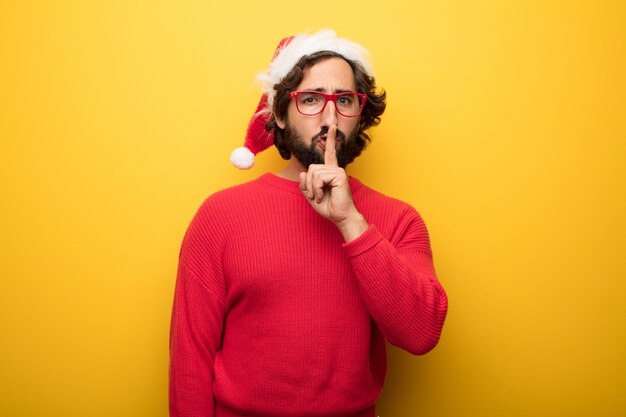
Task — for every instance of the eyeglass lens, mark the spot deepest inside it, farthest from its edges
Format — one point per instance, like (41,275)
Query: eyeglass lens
(311,103)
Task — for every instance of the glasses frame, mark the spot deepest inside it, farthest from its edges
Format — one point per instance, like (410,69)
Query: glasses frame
(327,98)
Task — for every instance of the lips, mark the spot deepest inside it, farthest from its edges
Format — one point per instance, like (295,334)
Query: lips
(321,139)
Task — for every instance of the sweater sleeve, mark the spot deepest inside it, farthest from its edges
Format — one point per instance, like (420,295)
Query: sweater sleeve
(399,285)
(196,325)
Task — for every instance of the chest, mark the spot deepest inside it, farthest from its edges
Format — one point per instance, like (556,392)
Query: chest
(286,257)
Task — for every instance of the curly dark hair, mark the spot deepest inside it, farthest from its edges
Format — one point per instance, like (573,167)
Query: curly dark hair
(374,107)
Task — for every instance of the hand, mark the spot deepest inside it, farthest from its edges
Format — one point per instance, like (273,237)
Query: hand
(327,189)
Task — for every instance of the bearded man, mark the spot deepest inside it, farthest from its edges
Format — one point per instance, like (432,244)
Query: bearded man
(289,285)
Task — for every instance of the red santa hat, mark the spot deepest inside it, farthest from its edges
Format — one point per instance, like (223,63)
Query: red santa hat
(287,55)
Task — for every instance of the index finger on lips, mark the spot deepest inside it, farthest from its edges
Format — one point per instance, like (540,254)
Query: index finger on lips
(330,154)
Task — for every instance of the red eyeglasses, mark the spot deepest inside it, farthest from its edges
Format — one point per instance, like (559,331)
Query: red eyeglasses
(311,103)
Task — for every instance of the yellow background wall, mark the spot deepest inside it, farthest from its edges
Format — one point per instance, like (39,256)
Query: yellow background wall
(506,128)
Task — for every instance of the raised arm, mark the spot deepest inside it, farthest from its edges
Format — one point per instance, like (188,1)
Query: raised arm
(397,281)
(399,286)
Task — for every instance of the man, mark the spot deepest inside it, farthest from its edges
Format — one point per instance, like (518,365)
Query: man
(289,285)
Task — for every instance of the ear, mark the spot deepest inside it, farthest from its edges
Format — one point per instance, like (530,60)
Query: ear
(280,122)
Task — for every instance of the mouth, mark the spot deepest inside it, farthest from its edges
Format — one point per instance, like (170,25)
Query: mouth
(321,140)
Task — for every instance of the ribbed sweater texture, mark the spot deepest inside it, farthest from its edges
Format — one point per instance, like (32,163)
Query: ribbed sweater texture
(275,315)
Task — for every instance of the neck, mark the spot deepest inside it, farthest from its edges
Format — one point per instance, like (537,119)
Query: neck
(293,170)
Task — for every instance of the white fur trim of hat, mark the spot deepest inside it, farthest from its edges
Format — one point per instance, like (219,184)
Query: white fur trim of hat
(307,44)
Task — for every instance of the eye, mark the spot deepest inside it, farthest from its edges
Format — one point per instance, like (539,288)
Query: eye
(345,99)
(309,100)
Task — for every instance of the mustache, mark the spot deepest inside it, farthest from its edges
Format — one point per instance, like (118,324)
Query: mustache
(339,135)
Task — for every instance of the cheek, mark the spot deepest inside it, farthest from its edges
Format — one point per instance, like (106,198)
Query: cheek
(348,125)
(308,126)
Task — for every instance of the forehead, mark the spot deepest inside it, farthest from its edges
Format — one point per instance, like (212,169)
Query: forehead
(329,75)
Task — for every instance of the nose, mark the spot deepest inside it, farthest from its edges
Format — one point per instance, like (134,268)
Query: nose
(329,115)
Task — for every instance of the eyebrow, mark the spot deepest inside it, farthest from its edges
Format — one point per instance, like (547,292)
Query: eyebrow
(323,90)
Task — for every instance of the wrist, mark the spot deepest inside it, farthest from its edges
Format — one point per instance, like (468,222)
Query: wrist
(353,226)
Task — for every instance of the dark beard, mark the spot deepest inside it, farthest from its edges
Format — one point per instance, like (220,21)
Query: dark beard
(307,155)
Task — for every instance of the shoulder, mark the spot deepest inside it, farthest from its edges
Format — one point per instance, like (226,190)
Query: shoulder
(208,233)
(222,208)
(231,198)
(392,216)
(374,200)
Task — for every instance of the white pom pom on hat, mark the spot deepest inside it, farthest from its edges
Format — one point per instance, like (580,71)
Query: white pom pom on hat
(287,55)
(242,158)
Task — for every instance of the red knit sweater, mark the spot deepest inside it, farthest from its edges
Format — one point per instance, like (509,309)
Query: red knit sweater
(275,315)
